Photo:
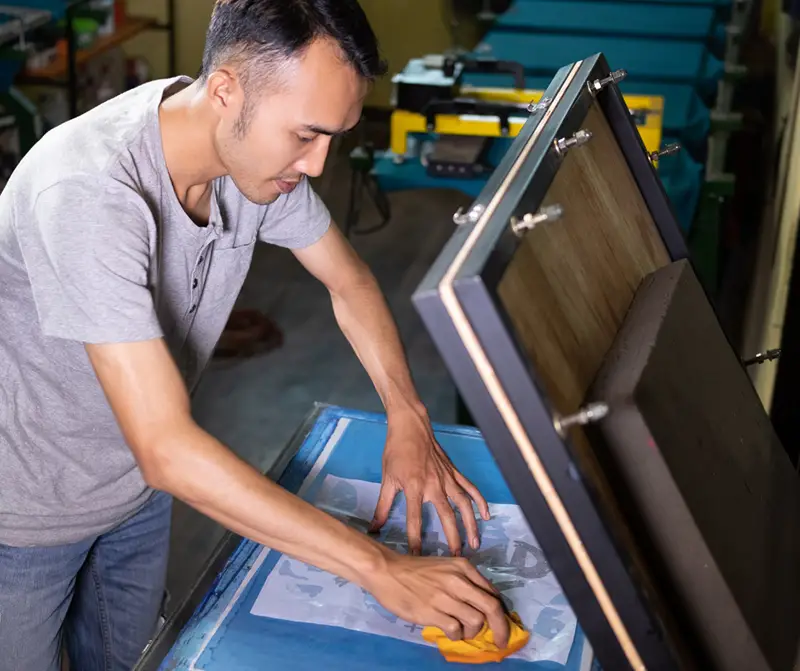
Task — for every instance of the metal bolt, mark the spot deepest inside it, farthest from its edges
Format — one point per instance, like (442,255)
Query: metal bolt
(460,218)
(541,106)
(669,150)
(769,355)
(578,139)
(614,78)
(530,221)
(591,413)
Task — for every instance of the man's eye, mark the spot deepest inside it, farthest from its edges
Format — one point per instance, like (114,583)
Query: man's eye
(305,139)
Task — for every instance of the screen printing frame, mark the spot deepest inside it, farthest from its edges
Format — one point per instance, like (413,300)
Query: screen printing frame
(457,301)
(163,642)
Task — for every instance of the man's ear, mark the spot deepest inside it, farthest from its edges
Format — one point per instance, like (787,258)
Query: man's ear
(225,93)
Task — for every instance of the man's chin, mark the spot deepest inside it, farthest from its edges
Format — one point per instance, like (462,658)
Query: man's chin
(266,198)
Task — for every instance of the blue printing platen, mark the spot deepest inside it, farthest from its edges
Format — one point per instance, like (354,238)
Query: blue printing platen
(666,61)
(222,635)
(695,23)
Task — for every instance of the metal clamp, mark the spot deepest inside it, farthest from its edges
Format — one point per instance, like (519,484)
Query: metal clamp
(614,78)
(669,150)
(530,221)
(460,218)
(591,413)
(541,106)
(769,355)
(563,144)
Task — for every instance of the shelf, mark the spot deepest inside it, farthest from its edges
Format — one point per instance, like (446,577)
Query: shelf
(58,69)
(17,21)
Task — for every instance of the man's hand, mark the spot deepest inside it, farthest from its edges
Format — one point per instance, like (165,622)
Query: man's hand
(441,592)
(413,462)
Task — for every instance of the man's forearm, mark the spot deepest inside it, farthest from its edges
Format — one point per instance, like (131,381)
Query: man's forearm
(365,320)
(206,475)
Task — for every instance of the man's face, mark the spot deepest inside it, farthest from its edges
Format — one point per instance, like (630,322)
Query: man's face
(288,128)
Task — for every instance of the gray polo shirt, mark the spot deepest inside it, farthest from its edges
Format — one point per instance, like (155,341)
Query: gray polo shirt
(95,248)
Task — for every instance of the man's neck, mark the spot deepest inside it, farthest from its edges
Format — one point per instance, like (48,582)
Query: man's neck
(186,137)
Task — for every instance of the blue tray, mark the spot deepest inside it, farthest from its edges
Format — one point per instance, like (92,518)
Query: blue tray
(691,23)
(646,60)
(700,3)
(223,635)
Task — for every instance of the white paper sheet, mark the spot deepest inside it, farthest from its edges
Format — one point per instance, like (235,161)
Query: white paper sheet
(509,556)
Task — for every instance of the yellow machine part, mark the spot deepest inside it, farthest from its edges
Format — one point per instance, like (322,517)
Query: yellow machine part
(648,110)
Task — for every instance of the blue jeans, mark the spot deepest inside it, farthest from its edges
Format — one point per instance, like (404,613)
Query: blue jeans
(99,598)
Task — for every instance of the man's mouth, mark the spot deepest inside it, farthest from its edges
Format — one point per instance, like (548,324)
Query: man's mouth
(286,186)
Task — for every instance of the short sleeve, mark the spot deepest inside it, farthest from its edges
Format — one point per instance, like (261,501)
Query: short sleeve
(295,220)
(86,248)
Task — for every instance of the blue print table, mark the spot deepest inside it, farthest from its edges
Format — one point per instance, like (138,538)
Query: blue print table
(215,630)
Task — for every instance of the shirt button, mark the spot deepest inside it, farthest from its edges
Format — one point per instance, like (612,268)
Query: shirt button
(194,284)
(199,261)
(192,309)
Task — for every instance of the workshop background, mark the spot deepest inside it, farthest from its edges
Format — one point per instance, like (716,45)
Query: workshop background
(716,78)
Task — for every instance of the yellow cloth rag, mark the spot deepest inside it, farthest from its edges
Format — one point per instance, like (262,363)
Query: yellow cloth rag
(482,648)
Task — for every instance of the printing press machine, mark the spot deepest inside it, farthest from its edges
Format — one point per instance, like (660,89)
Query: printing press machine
(449,134)
(693,47)
(610,409)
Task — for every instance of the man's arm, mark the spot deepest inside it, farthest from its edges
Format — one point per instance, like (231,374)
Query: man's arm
(175,455)
(415,463)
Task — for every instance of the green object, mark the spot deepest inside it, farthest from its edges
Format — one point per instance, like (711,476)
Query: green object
(84,28)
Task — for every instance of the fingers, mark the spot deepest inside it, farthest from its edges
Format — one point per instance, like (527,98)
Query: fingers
(414,522)
(468,517)
(450,626)
(498,622)
(472,605)
(384,507)
(449,524)
(490,606)
(467,621)
(474,492)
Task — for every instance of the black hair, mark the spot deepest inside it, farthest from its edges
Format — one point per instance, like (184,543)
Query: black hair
(271,32)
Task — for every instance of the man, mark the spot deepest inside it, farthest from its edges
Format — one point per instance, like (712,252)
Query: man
(125,237)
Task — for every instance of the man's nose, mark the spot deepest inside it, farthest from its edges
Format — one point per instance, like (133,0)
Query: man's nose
(313,163)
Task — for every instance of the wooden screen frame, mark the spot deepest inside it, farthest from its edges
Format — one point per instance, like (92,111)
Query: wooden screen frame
(627,625)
